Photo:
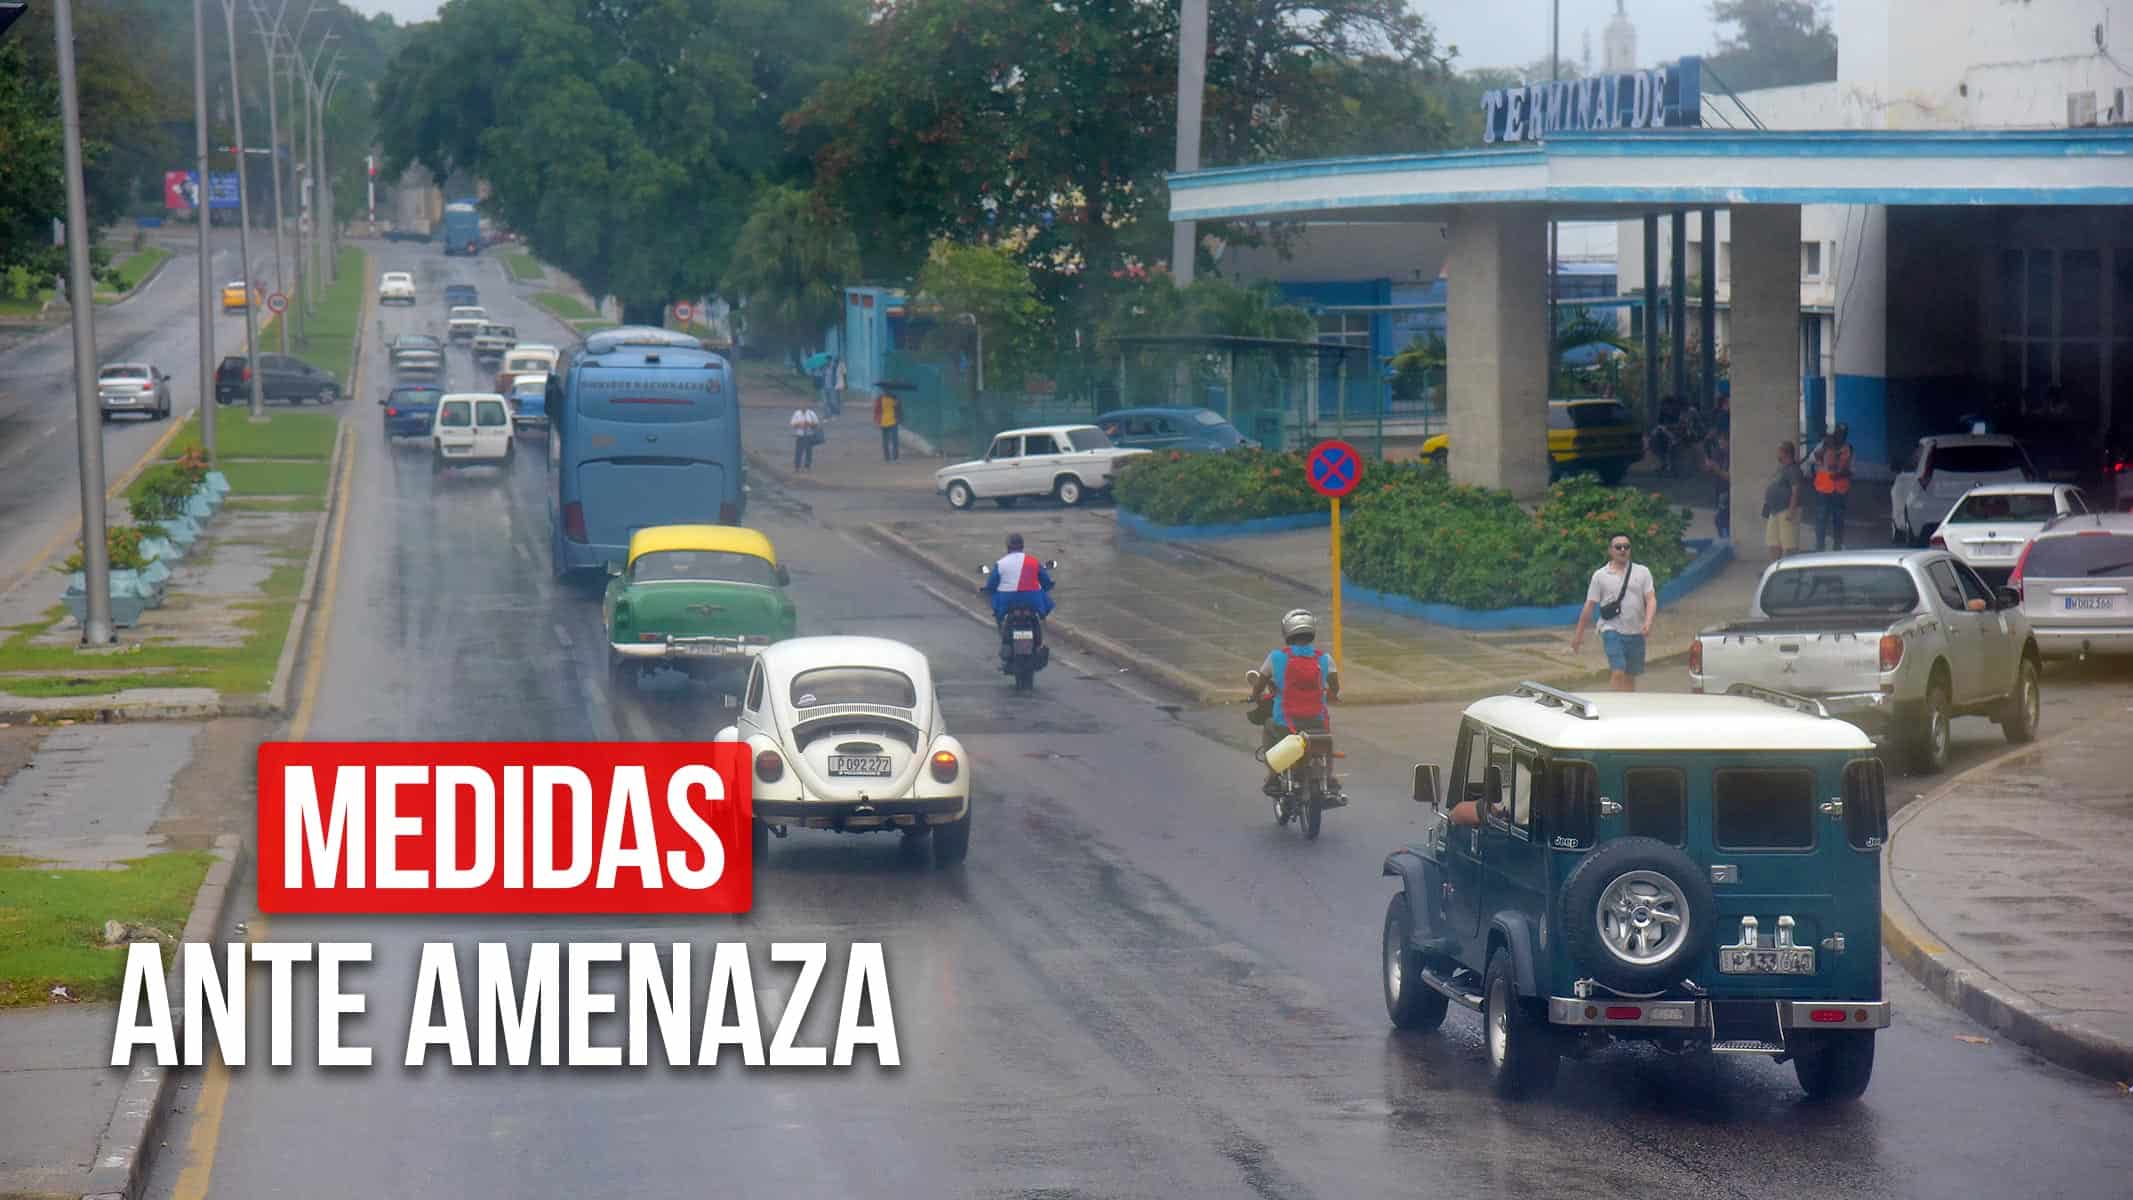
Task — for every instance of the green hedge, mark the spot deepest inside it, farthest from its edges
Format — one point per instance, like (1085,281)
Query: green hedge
(1446,544)
(1408,530)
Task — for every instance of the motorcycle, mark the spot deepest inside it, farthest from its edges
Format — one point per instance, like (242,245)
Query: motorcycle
(1022,649)
(1304,764)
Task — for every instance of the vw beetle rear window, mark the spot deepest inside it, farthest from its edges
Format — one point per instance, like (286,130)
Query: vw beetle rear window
(853,685)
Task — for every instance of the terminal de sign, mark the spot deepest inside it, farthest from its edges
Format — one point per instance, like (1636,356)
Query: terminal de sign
(1668,97)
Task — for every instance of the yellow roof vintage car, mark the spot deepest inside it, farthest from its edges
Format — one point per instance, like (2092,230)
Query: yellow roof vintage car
(730,539)
(1596,435)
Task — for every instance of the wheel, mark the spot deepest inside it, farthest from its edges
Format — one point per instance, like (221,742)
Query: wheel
(2019,720)
(960,496)
(1025,678)
(1411,1003)
(951,842)
(437,463)
(1841,1069)
(510,456)
(1309,818)
(1931,740)
(1637,914)
(759,840)
(1005,501)
(1521,1047)
(1067,491)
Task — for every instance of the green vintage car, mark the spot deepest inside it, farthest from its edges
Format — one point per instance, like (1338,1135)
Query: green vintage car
(703,599)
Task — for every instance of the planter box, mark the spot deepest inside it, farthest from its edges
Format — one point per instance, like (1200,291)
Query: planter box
(156,574)
(182,532)
(129,598)
(161,550)
(218,483)
(199,507)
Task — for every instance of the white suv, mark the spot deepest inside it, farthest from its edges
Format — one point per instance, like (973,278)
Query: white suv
(2076,581)
(470,429)
(1067,462)
(396,286)
(1941,470)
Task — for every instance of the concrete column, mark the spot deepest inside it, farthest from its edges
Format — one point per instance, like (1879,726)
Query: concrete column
(1766,360)
(1677,326)
(1496,347)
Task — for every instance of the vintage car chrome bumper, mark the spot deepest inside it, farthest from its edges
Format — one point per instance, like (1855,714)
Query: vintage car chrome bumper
(712,648)
(859,814)
(1696,1014)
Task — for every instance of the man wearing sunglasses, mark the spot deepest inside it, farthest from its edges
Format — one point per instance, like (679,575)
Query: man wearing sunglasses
(1623,597)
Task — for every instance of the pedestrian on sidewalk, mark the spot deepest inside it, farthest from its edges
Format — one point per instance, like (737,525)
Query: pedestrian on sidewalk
(832,399)
(1833,483)
(1782,498)
(1718,460)
(1624,598)
(806,431)
(888,415)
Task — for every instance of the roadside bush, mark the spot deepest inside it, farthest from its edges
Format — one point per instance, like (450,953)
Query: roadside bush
(122,545)
(1446,544)
(1236,485)
(161,493)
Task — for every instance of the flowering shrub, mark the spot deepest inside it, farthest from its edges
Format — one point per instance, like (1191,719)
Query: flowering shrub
(122,546)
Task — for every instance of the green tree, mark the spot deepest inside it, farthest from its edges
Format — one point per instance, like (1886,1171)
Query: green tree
(1774,43)
(1210,306)
(993,286)
(790,266)
(626,141)
(32,183)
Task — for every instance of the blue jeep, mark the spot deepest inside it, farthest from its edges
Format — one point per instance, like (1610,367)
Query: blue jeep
(1701,872)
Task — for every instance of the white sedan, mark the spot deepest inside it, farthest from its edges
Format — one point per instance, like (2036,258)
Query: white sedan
(1066,462)
(1988,527)
(845,734)
(396,286)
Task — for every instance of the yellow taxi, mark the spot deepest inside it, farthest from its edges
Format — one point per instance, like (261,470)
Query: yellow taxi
(235,295)
(1595,436)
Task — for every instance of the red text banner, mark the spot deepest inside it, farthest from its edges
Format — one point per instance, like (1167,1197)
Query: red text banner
(504,827)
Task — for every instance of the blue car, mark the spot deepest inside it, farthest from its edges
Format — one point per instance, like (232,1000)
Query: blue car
(529,403)
(1192,430)
(409,409)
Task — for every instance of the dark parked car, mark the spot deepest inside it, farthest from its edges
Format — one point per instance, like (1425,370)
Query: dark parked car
(282,377)
(461,295)
(409,410)
(407,235)
(1187,429)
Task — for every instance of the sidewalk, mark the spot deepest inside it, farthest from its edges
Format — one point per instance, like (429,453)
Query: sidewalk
(850,456)
(1197,617)
(2005,895)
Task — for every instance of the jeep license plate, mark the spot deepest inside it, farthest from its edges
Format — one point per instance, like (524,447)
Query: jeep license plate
(1797,960)
(872,766)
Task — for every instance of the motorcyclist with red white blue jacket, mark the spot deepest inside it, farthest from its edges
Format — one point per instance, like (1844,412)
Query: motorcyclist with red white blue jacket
(1018,580)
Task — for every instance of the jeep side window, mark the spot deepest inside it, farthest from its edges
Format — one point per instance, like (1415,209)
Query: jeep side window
(1866,816)
(1522,793)
(1475,756)
(1654,798)
(1503,757)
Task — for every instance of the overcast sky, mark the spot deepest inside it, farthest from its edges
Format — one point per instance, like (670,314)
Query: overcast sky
(1497,33)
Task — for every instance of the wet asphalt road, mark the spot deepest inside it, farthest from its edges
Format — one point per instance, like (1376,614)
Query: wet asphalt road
(1137,986)
(40,489)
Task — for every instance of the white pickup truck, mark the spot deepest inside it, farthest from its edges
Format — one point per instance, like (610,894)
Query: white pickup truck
(1897,642)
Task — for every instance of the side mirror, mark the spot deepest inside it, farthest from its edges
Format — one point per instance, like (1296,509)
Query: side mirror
(2008,597)
(1252,678)
(1428,783)
(784,576)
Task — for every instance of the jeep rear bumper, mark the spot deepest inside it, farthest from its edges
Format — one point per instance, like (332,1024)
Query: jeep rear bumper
(1695,1015)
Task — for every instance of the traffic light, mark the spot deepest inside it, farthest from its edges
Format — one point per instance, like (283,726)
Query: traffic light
(11,11)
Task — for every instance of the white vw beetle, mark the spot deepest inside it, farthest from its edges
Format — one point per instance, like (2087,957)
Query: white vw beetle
(845,733)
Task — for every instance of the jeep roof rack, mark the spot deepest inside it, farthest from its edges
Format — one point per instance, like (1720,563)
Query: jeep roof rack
(1792,700)
(1541,693)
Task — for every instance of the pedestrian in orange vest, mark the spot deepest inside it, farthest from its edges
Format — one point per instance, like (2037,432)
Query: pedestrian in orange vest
(1833,482)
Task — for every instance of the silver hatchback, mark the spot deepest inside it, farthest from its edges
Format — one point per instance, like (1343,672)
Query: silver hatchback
(2076,580)
(133,388)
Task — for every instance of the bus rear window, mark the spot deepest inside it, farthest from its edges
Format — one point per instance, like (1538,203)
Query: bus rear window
(652,396)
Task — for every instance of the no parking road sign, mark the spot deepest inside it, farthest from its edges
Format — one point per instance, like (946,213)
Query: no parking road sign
(683,312)
(1334,468)
(277,302)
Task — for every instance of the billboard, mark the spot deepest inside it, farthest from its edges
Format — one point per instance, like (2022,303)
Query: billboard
(181,189)
(222,189)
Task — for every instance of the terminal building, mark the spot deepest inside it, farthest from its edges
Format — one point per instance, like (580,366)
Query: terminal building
(1941,232)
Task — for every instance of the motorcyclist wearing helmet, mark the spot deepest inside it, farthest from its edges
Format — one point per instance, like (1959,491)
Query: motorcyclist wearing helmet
(1018,580)
(1302,680)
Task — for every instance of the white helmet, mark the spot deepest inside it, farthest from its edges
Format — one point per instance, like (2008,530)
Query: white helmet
(1298,621)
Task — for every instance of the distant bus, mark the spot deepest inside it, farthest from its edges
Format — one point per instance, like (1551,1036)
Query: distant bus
(461,229)
(644,429)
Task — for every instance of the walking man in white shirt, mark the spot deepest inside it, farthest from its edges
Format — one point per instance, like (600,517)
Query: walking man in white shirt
(806,427)
(1625,600)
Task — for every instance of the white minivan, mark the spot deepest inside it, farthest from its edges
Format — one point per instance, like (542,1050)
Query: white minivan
(471,429)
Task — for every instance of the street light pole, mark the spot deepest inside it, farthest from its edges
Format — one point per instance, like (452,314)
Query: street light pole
(244,217)
(325,171)
(202,164)
(313,100)
(96,629)
(1555,74)
(1192,82)
(267,39)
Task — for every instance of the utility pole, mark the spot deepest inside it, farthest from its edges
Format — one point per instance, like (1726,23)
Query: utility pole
(1192,84)
(202,164)
(1555,75)
(267,38)
(244,217)
(325,174)
(96,629)
(315,185)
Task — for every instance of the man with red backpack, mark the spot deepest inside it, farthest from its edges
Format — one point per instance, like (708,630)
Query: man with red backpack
(1301,680)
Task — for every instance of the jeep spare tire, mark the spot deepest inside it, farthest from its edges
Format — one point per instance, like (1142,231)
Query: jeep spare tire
(1637,915)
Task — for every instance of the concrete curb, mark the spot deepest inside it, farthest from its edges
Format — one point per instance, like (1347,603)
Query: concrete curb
(1949,975)
(1141,526)
(117,712)
(1198,690)
(300,616)
(127,1148)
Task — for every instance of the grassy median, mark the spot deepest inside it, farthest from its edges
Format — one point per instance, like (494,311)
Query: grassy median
(523,266)
(52,921)
(138,267)
(568,307)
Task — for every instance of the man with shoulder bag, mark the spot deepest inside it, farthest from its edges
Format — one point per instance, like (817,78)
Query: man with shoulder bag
(1626,619)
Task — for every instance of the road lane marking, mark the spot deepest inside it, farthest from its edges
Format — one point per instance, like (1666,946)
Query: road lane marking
(562,635)
(329,590)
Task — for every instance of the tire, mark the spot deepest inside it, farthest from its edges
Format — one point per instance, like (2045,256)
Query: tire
(1411,1003)
(1931,741)
(1068,490)
(1841,1069)
(951,842)
(1025,678)
(1520,1047)
(329,394)
(1625,892)
(2019,720)
(960,497)
(436,463)
(1313,812)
